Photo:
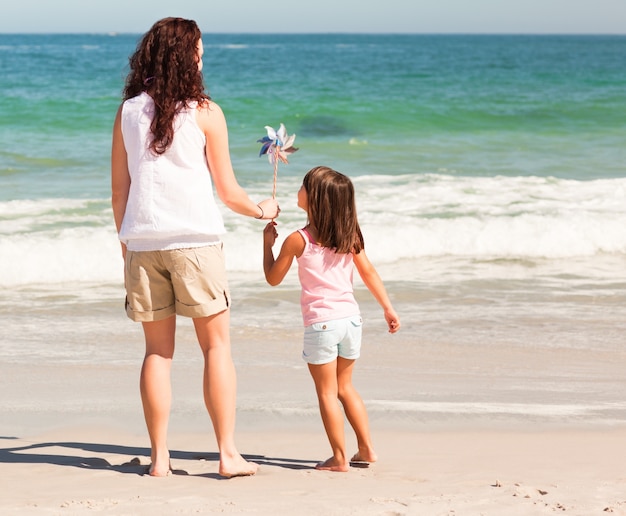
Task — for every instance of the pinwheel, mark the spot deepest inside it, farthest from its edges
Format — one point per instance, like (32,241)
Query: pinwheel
(277,145)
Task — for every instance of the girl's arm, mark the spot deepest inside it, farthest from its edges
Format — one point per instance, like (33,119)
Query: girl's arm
(372,281)
(212,122)
(276,269)
(120,176)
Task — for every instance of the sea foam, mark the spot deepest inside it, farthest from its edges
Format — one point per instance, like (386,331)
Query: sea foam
(403,218)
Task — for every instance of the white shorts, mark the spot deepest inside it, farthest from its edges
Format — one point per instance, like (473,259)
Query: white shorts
(325,341)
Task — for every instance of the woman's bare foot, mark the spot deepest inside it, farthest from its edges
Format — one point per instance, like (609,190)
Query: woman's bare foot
(155,471)
(333,464)
(160,465)
(237,467)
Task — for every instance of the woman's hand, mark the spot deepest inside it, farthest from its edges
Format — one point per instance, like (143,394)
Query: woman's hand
(269,208)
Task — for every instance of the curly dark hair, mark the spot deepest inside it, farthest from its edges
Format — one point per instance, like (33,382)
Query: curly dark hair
(165,64)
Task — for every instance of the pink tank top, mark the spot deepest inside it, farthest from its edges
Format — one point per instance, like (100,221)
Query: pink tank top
(326,280)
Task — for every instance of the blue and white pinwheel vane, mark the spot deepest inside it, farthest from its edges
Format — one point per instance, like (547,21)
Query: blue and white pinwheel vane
(277,145)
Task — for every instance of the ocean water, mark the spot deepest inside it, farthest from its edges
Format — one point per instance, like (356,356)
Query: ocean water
(490,174)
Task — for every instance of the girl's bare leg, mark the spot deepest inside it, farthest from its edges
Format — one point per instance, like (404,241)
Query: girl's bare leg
(156,391)
(325,379)
(355,410)
(220,390)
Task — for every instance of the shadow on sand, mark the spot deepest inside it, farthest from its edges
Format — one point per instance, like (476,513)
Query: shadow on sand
(53,453)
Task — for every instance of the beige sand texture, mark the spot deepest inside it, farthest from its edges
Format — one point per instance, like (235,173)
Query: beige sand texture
(73,441)
(98,470)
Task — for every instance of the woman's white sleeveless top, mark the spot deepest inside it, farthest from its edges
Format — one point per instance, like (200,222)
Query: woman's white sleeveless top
(171,203)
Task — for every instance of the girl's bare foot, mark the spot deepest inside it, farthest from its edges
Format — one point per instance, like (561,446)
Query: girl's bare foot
(237,467)
(333,464)
(365,456)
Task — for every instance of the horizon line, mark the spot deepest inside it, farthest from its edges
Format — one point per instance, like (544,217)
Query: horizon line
(318,33)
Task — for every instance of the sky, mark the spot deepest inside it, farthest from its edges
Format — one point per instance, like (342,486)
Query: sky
(321,16)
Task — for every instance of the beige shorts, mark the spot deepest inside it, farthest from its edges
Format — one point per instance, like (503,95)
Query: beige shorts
(187,282)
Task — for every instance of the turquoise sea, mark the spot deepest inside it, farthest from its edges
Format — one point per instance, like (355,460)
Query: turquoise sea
(490,175)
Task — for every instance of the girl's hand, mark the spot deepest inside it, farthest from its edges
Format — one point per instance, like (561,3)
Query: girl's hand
(393,321)
(270,234)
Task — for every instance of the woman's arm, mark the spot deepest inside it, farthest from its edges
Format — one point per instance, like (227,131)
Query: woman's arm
(213,123)
(120,176)
(276,269)
(372,281)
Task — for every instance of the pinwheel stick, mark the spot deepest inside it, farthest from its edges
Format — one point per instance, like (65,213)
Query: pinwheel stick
(275,173)
(277,145)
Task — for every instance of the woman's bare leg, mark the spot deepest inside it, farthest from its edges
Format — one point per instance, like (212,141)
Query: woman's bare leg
(220,390)
(156,390)
(325,379)
(355,410)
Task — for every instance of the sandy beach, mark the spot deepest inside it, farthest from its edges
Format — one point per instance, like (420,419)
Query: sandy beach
(82,470)
(72,439)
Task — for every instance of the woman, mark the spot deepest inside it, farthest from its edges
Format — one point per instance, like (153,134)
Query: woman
(170,146)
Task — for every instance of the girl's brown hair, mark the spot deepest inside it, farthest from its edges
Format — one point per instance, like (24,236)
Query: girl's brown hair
(165,64)
(332,210)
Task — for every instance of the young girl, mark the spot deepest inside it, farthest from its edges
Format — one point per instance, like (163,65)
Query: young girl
(326,250)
